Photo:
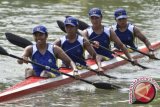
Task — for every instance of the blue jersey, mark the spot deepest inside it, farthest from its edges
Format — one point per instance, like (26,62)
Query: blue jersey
(48,59)
(127,37)
(103,39)
(74,50)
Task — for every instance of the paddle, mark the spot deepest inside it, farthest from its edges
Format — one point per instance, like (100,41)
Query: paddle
(62,27)
(82,25)
(144,67)
(100,85)
(151,57)
(102,74)
(85,25)
(17,40)
(22,42)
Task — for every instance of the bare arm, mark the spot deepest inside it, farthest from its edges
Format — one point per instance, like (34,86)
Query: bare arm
(57,42)
(64,57)
(84,34)
(138,34)
(26,54)
(118,42)
(92,52)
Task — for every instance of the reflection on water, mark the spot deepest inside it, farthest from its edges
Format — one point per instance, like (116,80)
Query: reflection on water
(20,16)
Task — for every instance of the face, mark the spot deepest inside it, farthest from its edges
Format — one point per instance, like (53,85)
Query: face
(71,29)
(40,38)
(96,20)
(122,22)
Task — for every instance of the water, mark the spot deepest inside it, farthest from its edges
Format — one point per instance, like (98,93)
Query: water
(20,16)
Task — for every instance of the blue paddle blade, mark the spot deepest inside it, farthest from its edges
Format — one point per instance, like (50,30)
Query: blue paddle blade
(17,40)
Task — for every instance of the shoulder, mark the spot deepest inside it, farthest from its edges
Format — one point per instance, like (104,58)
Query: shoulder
(57,42)
(57,48)
(84,31)
(30,47)
(88,29)
(28,51)
(113,26)
(136,29)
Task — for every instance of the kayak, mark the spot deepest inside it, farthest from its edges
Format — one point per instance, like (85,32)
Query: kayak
(36,84)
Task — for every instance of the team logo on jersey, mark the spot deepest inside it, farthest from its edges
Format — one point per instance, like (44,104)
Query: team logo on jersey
(50,60)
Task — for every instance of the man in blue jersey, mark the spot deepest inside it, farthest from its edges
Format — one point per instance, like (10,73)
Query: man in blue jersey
(102,35)
(74,44)
(127,32)
(45,54)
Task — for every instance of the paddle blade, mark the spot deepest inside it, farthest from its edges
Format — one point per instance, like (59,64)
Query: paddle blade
(61,25)
(3,51)
(82,25)
(17,40)
(105,86)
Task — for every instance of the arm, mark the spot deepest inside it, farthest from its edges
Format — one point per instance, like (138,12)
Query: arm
(118,42)
(84,34)
(92,52)
(57,42)
(26,54)
(138,34)
(64,57)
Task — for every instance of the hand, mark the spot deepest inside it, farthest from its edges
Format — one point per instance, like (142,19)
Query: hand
(96,44)
(151,54)
(25,59)
(150,49)
(134,62)
(20,61)
(76,74)
(100,71)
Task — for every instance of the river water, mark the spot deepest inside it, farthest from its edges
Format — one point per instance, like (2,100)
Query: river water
(20,16)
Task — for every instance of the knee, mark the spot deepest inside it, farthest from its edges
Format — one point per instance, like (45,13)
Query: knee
(47,74)
(29,72)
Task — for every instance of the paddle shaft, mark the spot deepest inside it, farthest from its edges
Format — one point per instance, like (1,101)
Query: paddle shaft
(85,25)
(103,74)
(22,42)
(120,56)
(61,25)
(47,67)
(86,67)
(143,53)
(97,85)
